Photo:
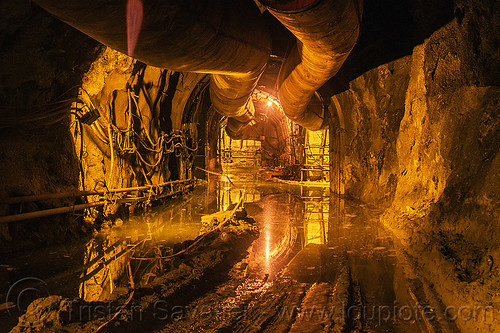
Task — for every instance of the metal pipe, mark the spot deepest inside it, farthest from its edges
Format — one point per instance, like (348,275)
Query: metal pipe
(226,38)
(51,196)
(73,208)
(49,212)
(326,32)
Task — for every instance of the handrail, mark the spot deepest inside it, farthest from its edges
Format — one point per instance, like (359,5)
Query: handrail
(50,196)
(73,208)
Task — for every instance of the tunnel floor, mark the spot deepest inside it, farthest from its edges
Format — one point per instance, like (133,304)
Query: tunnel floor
(320,263)
(312,270)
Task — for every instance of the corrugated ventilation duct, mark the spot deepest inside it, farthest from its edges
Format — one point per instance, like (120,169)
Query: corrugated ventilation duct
(326,30)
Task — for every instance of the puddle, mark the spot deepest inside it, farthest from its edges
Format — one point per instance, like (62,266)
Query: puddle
(290,218)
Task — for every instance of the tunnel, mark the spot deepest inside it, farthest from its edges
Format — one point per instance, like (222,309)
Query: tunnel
(250,166)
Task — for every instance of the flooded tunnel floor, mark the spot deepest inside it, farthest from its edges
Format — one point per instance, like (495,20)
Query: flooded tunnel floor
(316,265)
(309,271)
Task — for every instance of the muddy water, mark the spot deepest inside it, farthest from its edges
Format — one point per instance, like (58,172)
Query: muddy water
(309,240)
(306,240)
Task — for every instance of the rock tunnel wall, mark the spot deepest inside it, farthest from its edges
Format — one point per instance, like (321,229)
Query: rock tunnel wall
(44,63)
(41,59)
(372,110)
(421,139)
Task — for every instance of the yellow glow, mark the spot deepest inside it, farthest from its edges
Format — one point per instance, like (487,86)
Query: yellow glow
(267,261)
(269,103)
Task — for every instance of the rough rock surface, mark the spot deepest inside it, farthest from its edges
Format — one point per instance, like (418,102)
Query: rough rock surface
(41,59)
(44,62)
(422,137)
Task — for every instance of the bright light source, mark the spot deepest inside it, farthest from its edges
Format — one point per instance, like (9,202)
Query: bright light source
(269,103)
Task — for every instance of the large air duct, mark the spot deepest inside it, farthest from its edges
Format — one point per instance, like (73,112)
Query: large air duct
(223,37)
(326,30)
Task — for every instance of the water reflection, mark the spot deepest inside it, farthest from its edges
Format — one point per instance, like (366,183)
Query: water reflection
(304,231)
(289,217)
(316,213)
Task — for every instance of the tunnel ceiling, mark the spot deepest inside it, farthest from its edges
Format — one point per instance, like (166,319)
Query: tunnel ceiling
(387,32)
(230,41)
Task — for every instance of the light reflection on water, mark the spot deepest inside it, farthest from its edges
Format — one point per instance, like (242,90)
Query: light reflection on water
(286,224)
(290,218)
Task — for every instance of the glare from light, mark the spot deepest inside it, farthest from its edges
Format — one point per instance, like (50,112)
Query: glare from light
(267,261)
(269,103)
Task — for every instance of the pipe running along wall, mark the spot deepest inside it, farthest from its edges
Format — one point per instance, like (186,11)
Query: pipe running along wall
(225,38)
(327,31)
